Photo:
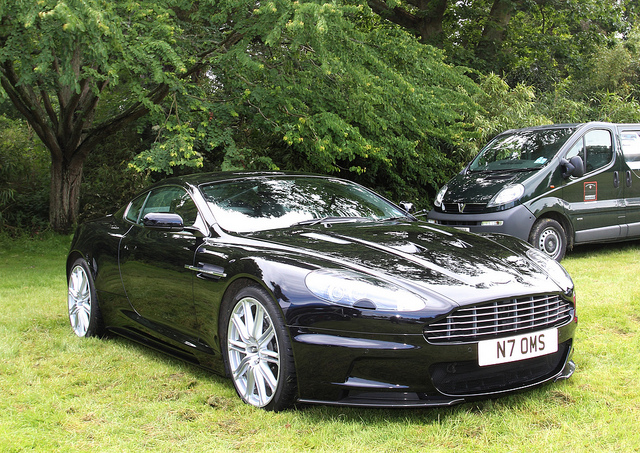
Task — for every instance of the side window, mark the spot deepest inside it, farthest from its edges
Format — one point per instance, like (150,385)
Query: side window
(172,199)
(630,143)
(594,148)
(599,149)
(133,212)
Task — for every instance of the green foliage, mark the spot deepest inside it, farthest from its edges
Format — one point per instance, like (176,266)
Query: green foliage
(109,182)
(24,167)
(536,43)
(505,108)
(80,70)
(550,40)
(614,108)
(325,87)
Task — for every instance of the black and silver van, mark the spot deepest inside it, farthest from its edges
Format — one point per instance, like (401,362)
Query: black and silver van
(553,186)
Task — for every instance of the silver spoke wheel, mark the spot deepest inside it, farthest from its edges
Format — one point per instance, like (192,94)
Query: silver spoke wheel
(79,301)
(84,313)
(254,352)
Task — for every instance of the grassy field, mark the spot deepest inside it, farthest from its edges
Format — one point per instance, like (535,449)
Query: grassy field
(61,393)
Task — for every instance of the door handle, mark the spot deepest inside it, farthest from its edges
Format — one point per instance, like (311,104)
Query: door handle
(616,179)
(629,180)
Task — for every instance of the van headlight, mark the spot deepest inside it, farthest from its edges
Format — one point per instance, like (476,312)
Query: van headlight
(440,196)
(507,195)
(354,289)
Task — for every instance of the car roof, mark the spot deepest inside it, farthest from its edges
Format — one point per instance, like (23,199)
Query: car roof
(197,179)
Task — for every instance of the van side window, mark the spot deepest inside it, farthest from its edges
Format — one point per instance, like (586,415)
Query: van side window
(594,148)
(630,143)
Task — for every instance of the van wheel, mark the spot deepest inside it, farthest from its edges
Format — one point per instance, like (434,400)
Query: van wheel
(548,236)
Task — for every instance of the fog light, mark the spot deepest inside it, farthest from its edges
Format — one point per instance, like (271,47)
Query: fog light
(492,223)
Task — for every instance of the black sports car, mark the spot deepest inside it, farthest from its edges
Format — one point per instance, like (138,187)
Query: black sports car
(313,289)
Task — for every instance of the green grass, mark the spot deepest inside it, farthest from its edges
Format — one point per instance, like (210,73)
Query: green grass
(61,393)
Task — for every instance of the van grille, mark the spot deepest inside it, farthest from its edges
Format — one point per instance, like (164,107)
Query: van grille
(510,316)
(464,208)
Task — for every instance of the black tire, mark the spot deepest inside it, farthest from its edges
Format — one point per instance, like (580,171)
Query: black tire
(548,236)
(258,355)
(84,312)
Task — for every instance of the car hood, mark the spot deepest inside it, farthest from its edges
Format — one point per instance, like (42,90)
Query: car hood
(481,187)
(461,267)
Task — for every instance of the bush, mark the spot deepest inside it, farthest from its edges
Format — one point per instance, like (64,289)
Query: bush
(24,179)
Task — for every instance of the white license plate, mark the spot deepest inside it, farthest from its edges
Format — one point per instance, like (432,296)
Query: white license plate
(463,229)
(519,347)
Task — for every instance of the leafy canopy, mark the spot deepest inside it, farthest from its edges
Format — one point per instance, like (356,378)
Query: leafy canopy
(312,85)
(324,87)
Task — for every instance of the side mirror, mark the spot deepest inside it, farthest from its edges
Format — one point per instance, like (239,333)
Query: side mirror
(164,221)
(572,167)
(407,206)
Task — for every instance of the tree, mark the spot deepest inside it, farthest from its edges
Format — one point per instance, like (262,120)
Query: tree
(537,42)
(334,90)
(80,70)
(57,62)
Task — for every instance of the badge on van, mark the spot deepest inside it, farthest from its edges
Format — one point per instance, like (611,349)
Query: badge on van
(591,191)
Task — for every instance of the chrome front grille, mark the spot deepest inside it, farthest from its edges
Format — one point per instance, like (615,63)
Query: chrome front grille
(504,317)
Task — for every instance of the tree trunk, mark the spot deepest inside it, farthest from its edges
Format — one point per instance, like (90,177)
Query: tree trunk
(64,200)
(425,19)
(495,29)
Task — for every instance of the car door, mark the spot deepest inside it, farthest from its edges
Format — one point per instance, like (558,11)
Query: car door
(154,263)
(594,202)
(630,145)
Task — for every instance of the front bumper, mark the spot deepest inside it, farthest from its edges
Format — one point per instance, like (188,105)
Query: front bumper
(516,221)
(348,369)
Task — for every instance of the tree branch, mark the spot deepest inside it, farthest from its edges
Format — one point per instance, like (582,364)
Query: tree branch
(157,95)
(27,104)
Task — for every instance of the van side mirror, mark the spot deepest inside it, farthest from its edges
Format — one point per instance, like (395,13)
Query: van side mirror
(407,206)
(572,167)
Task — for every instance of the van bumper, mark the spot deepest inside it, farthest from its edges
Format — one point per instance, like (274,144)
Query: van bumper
(516,221)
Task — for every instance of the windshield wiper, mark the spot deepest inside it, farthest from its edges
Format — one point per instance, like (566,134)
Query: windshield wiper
(406,218)
(506,170)
(329,219)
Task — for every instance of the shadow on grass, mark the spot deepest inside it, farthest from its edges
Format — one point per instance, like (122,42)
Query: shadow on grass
(548,394)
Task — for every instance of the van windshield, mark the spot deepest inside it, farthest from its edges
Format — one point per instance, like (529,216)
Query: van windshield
(521,150)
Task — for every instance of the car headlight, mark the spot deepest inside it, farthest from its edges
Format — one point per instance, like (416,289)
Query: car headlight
(507,195)
(440,196)
(353,289)
(554,270)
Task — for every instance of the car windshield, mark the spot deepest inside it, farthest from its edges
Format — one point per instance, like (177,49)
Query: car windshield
(521,150)
(264,203)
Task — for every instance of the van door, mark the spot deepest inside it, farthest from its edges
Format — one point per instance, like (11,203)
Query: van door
(630,144)
(594,201)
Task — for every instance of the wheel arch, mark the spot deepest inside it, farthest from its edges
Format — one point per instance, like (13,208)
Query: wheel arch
(284,390)
(562,220)
(72,257)
(231,289)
